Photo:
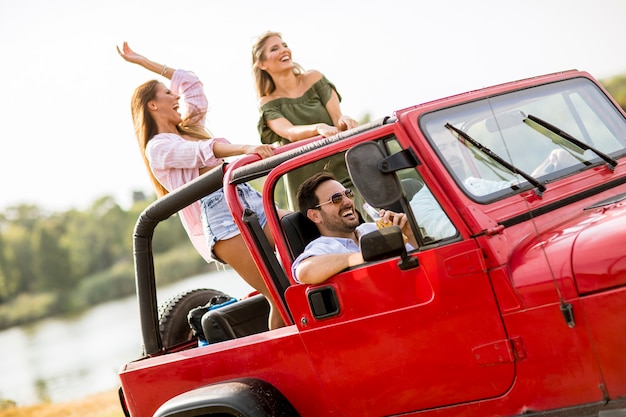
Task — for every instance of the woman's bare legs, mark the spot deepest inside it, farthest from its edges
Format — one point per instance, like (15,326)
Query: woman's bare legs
(235,253)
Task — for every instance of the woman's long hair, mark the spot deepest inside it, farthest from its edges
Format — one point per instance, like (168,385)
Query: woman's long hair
(146,128)
(262,80)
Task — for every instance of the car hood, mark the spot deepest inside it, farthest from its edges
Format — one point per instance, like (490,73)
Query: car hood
(588,249)
(598,254)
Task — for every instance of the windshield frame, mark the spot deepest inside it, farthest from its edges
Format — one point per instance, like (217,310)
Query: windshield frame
(577,105)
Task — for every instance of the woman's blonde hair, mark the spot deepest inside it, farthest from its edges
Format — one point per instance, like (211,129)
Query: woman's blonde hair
(262,80)
(146,128)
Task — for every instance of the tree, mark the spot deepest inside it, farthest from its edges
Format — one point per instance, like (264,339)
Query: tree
(25,215)
(9,284)
(98,238)
(52,265)
(17,226)
(616,86)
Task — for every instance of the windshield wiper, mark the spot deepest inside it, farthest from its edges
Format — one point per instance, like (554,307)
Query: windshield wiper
(612,163)
(540,187)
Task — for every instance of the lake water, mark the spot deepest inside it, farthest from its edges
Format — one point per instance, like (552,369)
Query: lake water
(62,359)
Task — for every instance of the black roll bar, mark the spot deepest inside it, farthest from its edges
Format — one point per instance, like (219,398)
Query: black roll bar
(145,281)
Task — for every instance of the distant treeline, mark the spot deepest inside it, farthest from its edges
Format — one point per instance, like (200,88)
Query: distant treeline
(52,263)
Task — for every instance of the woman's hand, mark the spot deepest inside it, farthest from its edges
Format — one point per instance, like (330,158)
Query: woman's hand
(133,57)
(347,122)
(325,130)
(129,55)
(264,151)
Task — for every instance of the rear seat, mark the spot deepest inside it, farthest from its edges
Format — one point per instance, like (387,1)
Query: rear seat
(242,318)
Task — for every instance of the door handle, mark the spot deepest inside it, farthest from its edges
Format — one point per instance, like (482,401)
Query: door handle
(323,302)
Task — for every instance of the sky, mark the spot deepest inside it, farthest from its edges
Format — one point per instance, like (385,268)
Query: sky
(68,138)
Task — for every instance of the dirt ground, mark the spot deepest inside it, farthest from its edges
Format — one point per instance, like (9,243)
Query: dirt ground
(105,404)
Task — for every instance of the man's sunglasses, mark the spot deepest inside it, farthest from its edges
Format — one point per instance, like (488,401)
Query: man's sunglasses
(337,198)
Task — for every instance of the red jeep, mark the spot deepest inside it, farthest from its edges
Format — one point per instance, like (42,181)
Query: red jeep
(512,304)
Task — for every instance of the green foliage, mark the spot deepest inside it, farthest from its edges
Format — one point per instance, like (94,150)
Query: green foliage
(179,263)
(18,254)
(98,238)
(8,282)
(169,234)
(616,86)
(52,264)
(27,308)
(116,282)
(65,262)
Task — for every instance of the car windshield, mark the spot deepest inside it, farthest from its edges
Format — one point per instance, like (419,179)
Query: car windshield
(500,145)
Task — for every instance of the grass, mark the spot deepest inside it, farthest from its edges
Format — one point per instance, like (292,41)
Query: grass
(105,404)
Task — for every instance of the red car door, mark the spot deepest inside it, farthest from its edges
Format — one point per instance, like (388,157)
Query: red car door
(387,341)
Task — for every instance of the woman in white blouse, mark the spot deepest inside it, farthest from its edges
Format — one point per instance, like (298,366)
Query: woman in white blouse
(178,148)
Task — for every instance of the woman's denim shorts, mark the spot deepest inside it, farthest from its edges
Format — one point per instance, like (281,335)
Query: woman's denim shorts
(216,218)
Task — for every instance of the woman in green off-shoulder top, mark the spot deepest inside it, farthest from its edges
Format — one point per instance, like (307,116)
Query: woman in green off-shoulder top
(307,109)
(295,104)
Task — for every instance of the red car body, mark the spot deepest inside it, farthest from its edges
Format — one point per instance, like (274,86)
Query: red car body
(520,312)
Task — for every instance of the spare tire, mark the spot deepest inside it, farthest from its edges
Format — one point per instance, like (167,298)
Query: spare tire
(173,324)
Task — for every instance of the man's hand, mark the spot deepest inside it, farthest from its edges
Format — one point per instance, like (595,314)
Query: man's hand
(391,218)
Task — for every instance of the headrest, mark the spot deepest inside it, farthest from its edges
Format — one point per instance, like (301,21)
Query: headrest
(299,232)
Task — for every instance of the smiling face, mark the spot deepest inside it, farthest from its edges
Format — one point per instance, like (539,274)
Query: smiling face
(334,219)
(164,107)
(276,55)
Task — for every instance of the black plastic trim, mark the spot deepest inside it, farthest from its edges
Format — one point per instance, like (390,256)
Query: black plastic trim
(155,213)
(246,397)
(264,166)
(562,203)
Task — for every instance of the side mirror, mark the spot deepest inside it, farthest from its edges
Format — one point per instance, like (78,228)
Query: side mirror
(386,243)
(378,187)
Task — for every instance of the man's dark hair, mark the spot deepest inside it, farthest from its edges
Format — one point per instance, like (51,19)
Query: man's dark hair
(306,191)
